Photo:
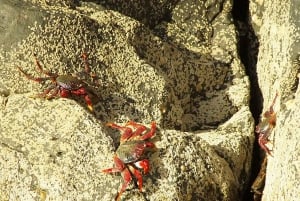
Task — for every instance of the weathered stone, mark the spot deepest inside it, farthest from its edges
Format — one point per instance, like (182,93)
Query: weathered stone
(278,67)
(197,93)
(53,147)
(15,17)
(147,12)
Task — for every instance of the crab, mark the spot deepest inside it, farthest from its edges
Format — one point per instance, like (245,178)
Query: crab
(64,85)
(265,127)
(129,160)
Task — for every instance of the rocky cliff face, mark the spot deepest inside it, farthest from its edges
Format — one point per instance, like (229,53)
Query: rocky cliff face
(173,62)
(277,25)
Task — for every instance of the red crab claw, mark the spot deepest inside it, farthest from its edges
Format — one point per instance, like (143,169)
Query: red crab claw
(139,129)
(64,93)
(151,133)
(126,132)
(89,103)
(143,164)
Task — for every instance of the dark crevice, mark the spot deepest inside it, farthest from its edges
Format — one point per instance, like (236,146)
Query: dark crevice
(248,51)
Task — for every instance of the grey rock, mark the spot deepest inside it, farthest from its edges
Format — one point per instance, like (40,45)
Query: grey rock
(16,16)
(196,92)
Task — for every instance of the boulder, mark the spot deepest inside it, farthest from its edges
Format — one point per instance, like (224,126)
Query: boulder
(181,70)
(277,25)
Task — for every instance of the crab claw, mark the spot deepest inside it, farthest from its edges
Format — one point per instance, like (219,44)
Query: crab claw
(89,102)
(90,107)
(126,132)
(84,92)
(139,128)
(143,164)
(151,133)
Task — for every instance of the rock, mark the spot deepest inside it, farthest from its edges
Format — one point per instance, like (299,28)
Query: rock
(278,67)
(16,16)
(190,82)
(53,147)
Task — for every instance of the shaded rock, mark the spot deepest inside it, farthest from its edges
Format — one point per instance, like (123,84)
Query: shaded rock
(149,13)
(197,93)
(16,16)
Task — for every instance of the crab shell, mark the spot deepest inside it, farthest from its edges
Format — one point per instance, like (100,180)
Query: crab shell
(131,151)
(69,82)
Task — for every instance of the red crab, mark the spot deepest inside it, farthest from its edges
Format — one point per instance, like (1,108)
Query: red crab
(64,85)
(265,127)
(128,158)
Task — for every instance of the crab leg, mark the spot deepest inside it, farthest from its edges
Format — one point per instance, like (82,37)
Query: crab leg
(127,179)
(82,91)
(30,77)
(150,133)
(273,103)
(138,176)
(271,115)
(86,64)
(87,69)
(140,129)
(39,67)
(119,166)
(46,94)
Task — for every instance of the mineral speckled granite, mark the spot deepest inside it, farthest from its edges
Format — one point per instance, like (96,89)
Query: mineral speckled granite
(277,25)
(179,68)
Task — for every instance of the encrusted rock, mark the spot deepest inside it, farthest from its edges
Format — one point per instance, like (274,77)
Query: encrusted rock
(278,71)
(190,82)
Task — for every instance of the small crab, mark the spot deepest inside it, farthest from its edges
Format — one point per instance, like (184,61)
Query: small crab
(129,156)
(64,85)
(265,127)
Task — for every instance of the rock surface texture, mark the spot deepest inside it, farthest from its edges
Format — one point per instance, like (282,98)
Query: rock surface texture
(278,27)
(173,62)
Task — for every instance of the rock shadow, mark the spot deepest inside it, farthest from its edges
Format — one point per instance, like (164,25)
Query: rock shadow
(195,85)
